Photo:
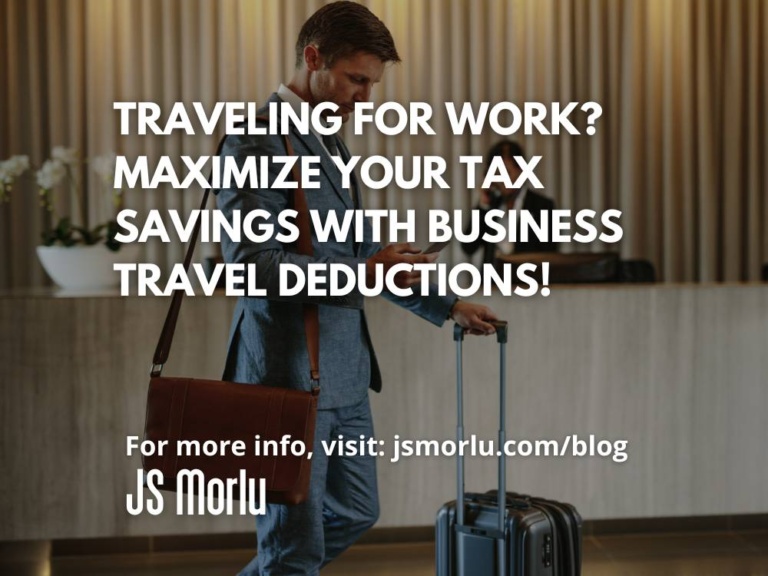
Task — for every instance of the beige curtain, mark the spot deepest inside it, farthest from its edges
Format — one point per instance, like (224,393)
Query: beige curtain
(681,147)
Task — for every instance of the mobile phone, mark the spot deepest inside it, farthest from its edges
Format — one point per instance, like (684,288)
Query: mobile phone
(435,247)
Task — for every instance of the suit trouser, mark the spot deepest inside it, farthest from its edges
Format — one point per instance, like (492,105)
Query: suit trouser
(342,505)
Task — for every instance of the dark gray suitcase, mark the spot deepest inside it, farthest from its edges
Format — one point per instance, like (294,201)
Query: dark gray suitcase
(526,536)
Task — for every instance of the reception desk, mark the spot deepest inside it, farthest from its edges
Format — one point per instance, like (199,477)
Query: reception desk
(678,372)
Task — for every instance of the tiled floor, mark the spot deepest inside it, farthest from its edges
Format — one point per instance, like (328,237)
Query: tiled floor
(679,554)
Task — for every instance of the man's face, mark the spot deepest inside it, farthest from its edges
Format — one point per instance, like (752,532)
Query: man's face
(348,81)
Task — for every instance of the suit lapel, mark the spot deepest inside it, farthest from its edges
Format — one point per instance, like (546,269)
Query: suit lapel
(354,189)
(357,202)
(332,173)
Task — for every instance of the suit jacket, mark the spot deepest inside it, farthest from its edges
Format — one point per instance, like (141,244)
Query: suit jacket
(267,339)
(537,205)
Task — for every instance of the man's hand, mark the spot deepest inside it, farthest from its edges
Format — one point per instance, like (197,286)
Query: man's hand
(474,318)
(485,199)
(402,253)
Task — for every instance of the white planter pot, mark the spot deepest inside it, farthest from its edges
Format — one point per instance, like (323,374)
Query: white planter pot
(85,267)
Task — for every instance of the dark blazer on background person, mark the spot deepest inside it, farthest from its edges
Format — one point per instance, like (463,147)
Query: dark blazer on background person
(533,202)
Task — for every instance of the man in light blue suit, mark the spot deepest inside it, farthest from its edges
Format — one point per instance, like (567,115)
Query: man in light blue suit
(341,53)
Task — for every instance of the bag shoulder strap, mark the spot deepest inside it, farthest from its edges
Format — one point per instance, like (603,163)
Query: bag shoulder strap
(304,245)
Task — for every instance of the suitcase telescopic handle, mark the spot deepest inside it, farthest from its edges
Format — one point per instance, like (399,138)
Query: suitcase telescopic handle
(501,338)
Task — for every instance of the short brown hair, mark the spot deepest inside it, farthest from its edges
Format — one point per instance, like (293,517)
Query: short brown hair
(340,29)
(507,149)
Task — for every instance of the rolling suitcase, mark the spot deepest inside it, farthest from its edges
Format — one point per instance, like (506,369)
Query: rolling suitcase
(476,535)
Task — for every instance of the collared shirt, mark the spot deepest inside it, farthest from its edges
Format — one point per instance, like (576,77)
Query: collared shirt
(287,95)
(295,101)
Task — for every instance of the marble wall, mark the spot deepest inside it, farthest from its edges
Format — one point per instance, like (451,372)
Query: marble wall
(679,372)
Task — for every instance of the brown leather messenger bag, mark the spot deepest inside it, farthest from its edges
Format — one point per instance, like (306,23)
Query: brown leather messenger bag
(187,412)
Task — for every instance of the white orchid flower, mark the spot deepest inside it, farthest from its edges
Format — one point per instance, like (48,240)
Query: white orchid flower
(13,168)
(68,156)
(104,166)
(51,174)
(64,170)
